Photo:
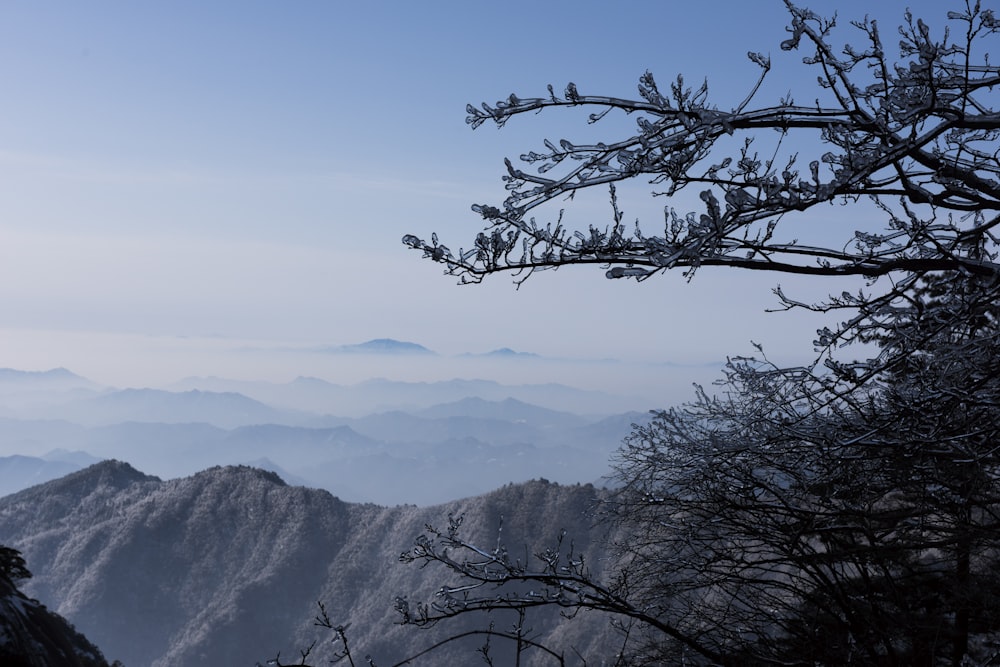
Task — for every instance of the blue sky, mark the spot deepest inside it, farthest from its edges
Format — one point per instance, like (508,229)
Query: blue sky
(244,171)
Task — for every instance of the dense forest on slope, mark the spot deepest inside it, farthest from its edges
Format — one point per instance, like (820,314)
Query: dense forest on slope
(226,566)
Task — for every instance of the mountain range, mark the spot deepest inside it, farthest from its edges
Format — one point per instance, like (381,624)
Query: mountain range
(380,395)
(207,562)
(226,567)
(453,439)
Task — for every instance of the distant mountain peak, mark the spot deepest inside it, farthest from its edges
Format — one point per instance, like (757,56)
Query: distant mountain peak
(52,372)
(382,346)
(118,470)
(52,376)
(108,474)
(241,472)
(309,380)
(503,353)
(507,352)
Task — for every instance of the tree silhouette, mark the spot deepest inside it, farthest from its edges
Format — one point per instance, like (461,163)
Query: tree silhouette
(846,512)
(12,565)
(917,134)
(842,512)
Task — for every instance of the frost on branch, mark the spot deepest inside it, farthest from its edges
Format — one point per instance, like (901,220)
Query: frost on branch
(909,121)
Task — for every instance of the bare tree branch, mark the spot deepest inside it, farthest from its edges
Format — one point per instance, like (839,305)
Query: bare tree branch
(918,131)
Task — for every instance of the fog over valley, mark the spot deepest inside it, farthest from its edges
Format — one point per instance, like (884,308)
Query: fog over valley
(381,440)
(530,333)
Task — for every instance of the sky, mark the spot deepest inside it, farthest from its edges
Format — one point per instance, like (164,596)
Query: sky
(180,181)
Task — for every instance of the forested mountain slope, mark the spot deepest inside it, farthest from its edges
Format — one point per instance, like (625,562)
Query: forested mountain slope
(226,566)
(32,636)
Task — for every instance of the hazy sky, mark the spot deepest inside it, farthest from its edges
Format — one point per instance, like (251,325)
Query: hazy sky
(242,172)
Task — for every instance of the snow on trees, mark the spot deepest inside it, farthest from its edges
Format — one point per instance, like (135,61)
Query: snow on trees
(917,134)
(845,512)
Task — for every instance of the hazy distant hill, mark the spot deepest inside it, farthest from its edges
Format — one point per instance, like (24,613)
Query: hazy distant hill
(380,395)
(17,472)
(31,437)
(380,346)
(393,457)
(509,409)
(227,410)
(504,353)
(457,438)
(56,378)
(35,390)
(225,567)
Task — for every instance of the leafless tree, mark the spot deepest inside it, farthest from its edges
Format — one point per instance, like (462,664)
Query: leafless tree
(916,133)
(845,512)
(802,517)
(798,517)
